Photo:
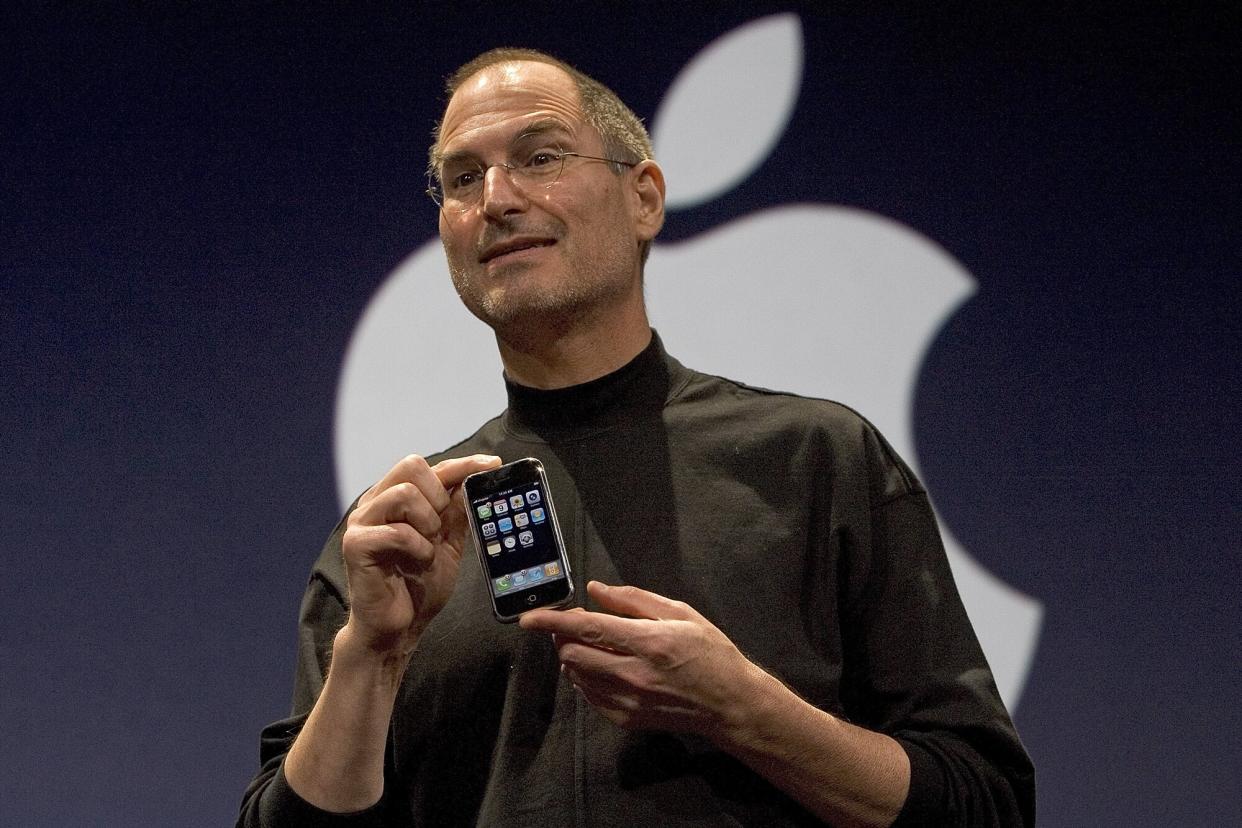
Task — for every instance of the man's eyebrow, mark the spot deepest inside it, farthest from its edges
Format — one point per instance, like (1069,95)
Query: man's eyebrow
(456,157)
(540,128)
(537,129)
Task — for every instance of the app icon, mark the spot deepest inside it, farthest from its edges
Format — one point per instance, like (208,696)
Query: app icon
(503,583)
(532,497)
(506,524)
(516,502)
(489,530)
(501,506)
(519,577)
(552,569)
(493,548)
(520,519)
(536,514)
(527,538)
(485,511)
(534,574)
(510,542)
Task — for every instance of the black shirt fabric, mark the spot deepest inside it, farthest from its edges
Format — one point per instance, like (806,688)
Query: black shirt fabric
(788,522)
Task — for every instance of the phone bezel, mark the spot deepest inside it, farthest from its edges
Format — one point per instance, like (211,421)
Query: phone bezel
(486,483)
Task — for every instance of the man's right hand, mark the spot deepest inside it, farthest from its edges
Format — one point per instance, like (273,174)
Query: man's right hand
(402,548)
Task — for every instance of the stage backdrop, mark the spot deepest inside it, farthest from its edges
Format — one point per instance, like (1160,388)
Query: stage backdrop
(1010,239)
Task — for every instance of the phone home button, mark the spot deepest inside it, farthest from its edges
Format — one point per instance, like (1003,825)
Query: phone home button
(532,598)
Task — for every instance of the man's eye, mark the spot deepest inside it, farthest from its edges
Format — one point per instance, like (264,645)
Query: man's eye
(463,180)
(543,158)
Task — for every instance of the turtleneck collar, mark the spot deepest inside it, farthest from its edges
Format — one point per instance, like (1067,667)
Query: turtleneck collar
(638,389)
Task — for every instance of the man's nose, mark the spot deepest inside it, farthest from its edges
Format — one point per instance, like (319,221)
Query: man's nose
(501,194)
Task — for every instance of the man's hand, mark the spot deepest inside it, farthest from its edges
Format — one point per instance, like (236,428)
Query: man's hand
(665,667)
(668,668)
(402,548)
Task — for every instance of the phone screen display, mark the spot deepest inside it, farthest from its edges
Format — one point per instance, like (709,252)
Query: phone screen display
(519,543)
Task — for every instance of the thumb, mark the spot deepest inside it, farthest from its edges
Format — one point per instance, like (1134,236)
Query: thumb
(453,471)
(453,524)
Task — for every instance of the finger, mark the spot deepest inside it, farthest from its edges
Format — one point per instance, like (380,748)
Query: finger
(401,472)
(436,482)
(536,612)
(605,694)
(453,471)
(402,503)
(455,525)
(453,519)
(609,704)
(595,628)
(639,603)
(387,545)
(585,661)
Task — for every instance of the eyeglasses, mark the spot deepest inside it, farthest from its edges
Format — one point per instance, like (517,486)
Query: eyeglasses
(459,186)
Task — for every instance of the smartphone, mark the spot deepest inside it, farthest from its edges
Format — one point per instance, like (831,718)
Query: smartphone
(518,538)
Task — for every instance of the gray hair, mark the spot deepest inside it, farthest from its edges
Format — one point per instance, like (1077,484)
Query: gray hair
(623,134)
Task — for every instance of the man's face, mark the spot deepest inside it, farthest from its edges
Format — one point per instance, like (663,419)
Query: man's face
(528,254)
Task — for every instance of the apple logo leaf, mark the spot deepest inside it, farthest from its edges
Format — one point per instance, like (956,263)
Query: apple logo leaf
(702,144)
(817,299)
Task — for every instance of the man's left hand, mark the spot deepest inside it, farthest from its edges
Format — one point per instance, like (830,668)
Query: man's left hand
(664,667)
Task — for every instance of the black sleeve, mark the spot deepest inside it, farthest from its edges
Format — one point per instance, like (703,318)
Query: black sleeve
(915,671)
(269,801)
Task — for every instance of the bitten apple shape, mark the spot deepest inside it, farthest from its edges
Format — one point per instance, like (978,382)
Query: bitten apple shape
(816,299)
(821,300)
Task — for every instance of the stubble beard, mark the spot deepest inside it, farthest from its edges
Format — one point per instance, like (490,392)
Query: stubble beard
(522,313)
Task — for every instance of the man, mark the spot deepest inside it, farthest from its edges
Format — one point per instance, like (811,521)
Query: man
(789,647)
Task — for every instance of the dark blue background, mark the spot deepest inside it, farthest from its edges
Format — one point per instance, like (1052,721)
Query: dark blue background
(198,204)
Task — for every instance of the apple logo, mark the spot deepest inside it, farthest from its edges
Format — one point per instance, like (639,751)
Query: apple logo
(821,300)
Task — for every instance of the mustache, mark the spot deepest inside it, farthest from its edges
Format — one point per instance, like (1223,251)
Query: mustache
(504,229)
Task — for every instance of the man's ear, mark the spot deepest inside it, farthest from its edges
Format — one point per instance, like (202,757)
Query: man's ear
(648,190)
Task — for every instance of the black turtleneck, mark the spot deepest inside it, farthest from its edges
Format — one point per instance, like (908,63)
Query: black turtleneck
(788,522)
(643,385)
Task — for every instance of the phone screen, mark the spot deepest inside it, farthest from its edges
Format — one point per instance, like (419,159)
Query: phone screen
(518,539)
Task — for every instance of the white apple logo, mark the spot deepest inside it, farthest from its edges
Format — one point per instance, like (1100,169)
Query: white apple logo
(820,300)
